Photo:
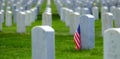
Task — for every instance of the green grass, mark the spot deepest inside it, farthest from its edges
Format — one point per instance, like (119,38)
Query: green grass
(18,46)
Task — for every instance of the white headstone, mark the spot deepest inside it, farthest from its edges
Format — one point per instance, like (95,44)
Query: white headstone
(76,20)
(0,21)
(63,13)
(47,18)
(112,43)
(104,9)
(28,20)
(18,5)
(59,6)
(16,15)
(8,18)
(3,6)
(71,22)
(21,27)
(78,9)
(68,16)
(31,17)
(117,19)
(113,10)
(85,11)
(8,8)
(107,21)
(2,15)
(33,14)
(95,12)
(43,43)
(87,31)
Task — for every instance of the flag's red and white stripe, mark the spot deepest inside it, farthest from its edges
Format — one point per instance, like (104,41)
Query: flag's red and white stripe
(77,39)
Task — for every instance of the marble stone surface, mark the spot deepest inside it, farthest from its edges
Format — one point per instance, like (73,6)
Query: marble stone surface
(43,42)
(0,21)
(107,21)
(87,31)
(95,12)
(117,20)
(21,27)
(8,18)
(47,18)
(111,43)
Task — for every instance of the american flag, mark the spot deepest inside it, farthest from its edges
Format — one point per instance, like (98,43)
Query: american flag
(77,38)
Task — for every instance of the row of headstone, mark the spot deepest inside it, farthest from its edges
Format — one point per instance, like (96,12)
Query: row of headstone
(110,3)
(47,15)
(82,11)
(78,6)
(110,19)
(71,18)
(16,9)
(43,37)
(43,44)
(86,21)
(110,12)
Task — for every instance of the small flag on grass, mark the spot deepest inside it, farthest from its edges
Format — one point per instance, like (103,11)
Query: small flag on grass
(77,38)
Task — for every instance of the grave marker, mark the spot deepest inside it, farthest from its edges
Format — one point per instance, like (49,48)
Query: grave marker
(87,31)
(47,19)
(78,9)
(21,27)
(71,21)
(107,21)
(76,20)
(2,16)
(117,19)
(95,12)
(104,9)
(111,43)
(43,43)
(1,21)
(85,11)
(113,10)
(63,14)
(8,18)
(28,20)
(68,16)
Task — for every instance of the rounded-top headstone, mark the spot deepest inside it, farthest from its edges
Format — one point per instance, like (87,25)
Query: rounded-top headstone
(117,19)
(113,11)
(107,21)
(2,11)
(47,18)
(85,11)
(45,28)
(43,42)
(95,12)
(104,10)
(112,43)
(0,21)
(78,9)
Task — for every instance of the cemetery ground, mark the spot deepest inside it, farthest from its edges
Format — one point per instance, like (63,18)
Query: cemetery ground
(18,46)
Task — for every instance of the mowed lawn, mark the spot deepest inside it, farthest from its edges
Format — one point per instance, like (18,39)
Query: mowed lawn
(18,46)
